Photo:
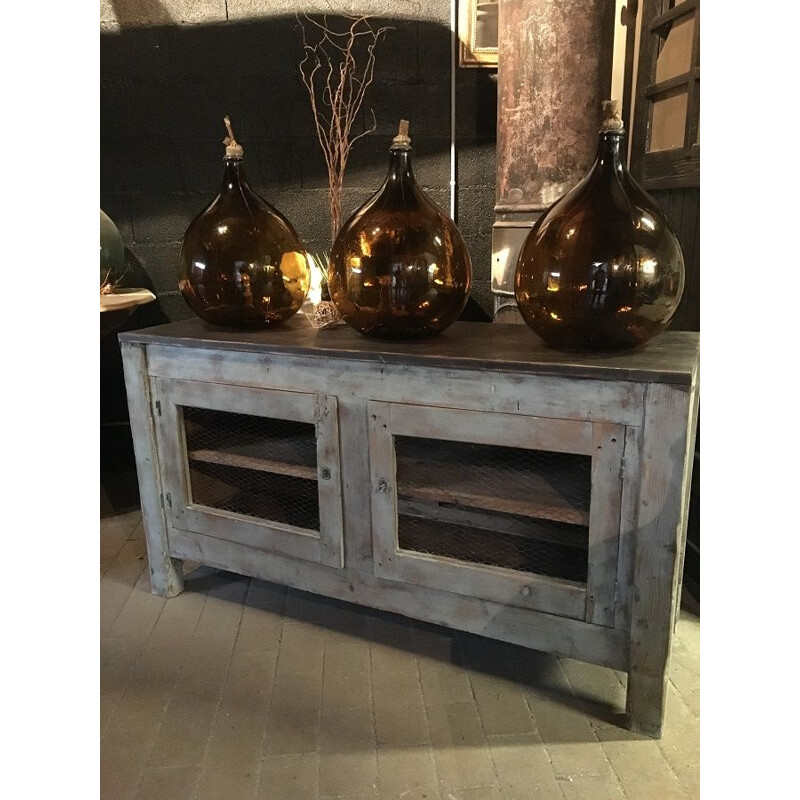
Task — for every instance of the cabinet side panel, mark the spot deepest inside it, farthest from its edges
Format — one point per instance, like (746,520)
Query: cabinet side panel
(165,572)
(656,562)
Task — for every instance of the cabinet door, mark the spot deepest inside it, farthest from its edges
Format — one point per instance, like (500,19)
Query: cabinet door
(516,509)
(253,466)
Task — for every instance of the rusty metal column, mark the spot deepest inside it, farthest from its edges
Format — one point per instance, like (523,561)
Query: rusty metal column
(555,60)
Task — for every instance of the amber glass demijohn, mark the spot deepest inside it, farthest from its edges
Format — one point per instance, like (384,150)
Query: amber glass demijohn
(399,267)
(241,262)
(602,269)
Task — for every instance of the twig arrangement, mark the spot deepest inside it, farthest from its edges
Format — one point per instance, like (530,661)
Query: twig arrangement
(337,68)
(109,286)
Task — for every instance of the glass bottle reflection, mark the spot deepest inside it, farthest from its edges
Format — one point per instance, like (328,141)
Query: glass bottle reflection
(241,262)
(399,267)
(602,269)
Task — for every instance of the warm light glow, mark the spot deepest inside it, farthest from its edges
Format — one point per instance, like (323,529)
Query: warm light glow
(363,244)
(615,267)
(555,316)
(501,256)
(433,268)
(648,223)
(570,232)
(199,265)
(623,309)
(649,266)
(438,281)
(315,289)
(222,228)
(583,287)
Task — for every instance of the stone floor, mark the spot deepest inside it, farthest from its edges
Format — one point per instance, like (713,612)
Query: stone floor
(240,689)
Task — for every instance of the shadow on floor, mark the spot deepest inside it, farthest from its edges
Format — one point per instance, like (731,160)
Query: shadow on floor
(539,673)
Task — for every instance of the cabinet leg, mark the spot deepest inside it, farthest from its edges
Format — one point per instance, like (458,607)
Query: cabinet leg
(646,703)
(166,576)
(658,553)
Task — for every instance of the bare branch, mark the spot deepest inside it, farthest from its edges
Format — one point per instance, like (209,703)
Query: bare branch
(337,68)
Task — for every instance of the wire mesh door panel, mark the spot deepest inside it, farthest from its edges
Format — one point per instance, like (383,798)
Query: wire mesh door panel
(494,505)
(255,466)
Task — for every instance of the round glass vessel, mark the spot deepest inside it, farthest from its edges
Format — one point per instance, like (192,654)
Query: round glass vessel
(112,251)
(241,263)
(399,267)
(602,269)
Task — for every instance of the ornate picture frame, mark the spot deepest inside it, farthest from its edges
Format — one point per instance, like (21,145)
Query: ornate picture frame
(477,33)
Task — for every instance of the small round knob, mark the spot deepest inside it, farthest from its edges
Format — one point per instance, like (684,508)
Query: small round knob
(526,590)
(383,485)
(325,473)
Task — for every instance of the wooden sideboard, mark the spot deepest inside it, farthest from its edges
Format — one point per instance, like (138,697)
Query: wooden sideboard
(477,480)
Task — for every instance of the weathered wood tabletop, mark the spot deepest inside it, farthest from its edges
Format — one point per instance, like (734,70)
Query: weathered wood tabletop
(670,358)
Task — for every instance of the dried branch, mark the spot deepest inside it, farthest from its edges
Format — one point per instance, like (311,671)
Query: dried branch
(337,68)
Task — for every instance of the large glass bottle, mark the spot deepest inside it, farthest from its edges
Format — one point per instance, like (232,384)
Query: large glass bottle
(602,269)
(241,262)
(399,267)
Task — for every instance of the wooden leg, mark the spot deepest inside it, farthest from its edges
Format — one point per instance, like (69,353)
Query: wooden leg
(646,703)
(166,574)
(658,550)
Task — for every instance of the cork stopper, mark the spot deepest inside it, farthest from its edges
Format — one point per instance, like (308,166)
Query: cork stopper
(232,148)
(402,139)
(611,118)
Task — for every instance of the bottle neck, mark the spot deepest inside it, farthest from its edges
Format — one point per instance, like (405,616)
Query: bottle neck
(400,165)
(611,152)
(233,177)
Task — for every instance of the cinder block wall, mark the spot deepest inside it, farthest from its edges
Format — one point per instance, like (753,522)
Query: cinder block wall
(171,69)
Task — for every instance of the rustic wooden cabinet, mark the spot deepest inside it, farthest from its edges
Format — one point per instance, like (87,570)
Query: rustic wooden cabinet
(477,480)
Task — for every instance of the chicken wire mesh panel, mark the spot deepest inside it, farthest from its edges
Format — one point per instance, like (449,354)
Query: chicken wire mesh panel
(285,442)
(521,509)
(566,559)
(257,466)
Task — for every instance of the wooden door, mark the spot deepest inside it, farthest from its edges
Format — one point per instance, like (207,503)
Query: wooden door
(258,467)
(516,509)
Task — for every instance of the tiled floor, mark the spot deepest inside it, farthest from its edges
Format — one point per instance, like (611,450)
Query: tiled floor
(238,688)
